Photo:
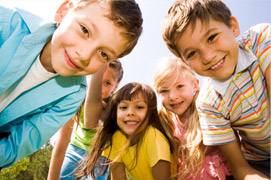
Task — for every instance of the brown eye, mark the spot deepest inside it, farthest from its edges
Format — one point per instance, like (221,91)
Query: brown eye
(104,55)
(190,55)
(84,30)
(211,38)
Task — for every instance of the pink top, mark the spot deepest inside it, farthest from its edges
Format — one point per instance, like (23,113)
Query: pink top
(214,165)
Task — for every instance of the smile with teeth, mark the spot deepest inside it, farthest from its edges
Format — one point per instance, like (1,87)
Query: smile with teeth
(131,122)
(218,65)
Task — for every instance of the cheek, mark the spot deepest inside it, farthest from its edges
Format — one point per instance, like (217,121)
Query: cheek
(194,64)
(189,96)
(94,65)
(118,117)
(163,98)
(106,92)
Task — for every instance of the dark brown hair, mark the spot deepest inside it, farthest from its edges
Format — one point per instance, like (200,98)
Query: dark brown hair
(104,136)
(185,12)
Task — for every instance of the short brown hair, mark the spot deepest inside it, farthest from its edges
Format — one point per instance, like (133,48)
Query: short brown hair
(184,12)
(117,67)
(125,14)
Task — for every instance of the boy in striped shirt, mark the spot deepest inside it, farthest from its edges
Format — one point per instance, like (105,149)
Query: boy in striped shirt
(234,103)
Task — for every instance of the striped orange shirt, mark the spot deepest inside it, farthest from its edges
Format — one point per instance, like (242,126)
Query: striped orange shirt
(241,103)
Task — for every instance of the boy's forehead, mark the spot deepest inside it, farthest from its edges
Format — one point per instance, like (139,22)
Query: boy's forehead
(112,72)
(103,26)
(197,25)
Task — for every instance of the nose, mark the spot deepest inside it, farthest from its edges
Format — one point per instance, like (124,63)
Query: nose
(84,53)
(130,112)
(208,55)
(173,95)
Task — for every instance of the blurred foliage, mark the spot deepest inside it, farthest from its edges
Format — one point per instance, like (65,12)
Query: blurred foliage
(32,167)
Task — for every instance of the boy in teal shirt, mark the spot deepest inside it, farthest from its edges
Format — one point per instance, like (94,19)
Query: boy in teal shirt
(42,66)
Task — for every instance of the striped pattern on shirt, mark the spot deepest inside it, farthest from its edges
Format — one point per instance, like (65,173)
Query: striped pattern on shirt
(244,106)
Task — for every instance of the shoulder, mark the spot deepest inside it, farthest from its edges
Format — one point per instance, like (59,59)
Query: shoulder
(15,14)
(33,21)
(152,132)
(207,93)
(154,136)
(6,12)
(9,20)
(118,138)
(255,36)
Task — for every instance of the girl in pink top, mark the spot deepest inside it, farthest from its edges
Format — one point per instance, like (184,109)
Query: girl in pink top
(178,88)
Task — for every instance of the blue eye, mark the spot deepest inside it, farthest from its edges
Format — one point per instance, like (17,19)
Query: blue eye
(163,91)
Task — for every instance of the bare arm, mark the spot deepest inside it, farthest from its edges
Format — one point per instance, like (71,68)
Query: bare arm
(58,154)
(118,171)
(239,166)
(161,170)
(93,104)
(267,78)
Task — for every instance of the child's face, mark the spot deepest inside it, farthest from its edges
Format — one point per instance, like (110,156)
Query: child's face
(85,40)
(130,114)
(210,49)
(177,93)
(110,83)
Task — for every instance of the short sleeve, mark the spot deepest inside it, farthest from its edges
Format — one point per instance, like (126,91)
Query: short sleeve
(112,152)
(158,147)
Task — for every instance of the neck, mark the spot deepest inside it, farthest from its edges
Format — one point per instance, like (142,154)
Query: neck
(45,57)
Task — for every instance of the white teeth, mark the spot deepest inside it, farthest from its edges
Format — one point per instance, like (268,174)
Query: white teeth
(131,122)
(218,64)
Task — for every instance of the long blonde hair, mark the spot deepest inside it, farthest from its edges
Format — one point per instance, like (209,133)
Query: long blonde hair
(189,148)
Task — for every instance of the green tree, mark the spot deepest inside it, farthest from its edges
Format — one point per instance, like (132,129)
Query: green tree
(32,167)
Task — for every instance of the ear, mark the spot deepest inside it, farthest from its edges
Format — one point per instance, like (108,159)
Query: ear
(235,26)
(62,11)
(195,84)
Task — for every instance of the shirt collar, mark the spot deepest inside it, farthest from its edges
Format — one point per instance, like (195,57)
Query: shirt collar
(245,59)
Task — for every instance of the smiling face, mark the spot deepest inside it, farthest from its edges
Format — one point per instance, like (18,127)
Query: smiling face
(84,41)
(177,93)
(210,49)
(131,114)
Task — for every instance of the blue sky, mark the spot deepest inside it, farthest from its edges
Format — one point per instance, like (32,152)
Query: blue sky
(139,65)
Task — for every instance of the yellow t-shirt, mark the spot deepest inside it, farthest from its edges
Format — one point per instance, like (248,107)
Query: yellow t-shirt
(153,148)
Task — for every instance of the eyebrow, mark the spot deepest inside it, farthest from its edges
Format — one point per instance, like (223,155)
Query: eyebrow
(204,35)
(95,28)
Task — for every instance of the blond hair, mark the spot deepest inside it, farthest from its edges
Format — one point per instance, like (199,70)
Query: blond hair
(185,12)
(189,148)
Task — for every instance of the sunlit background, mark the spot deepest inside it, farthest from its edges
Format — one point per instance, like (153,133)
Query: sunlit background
(139,65)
